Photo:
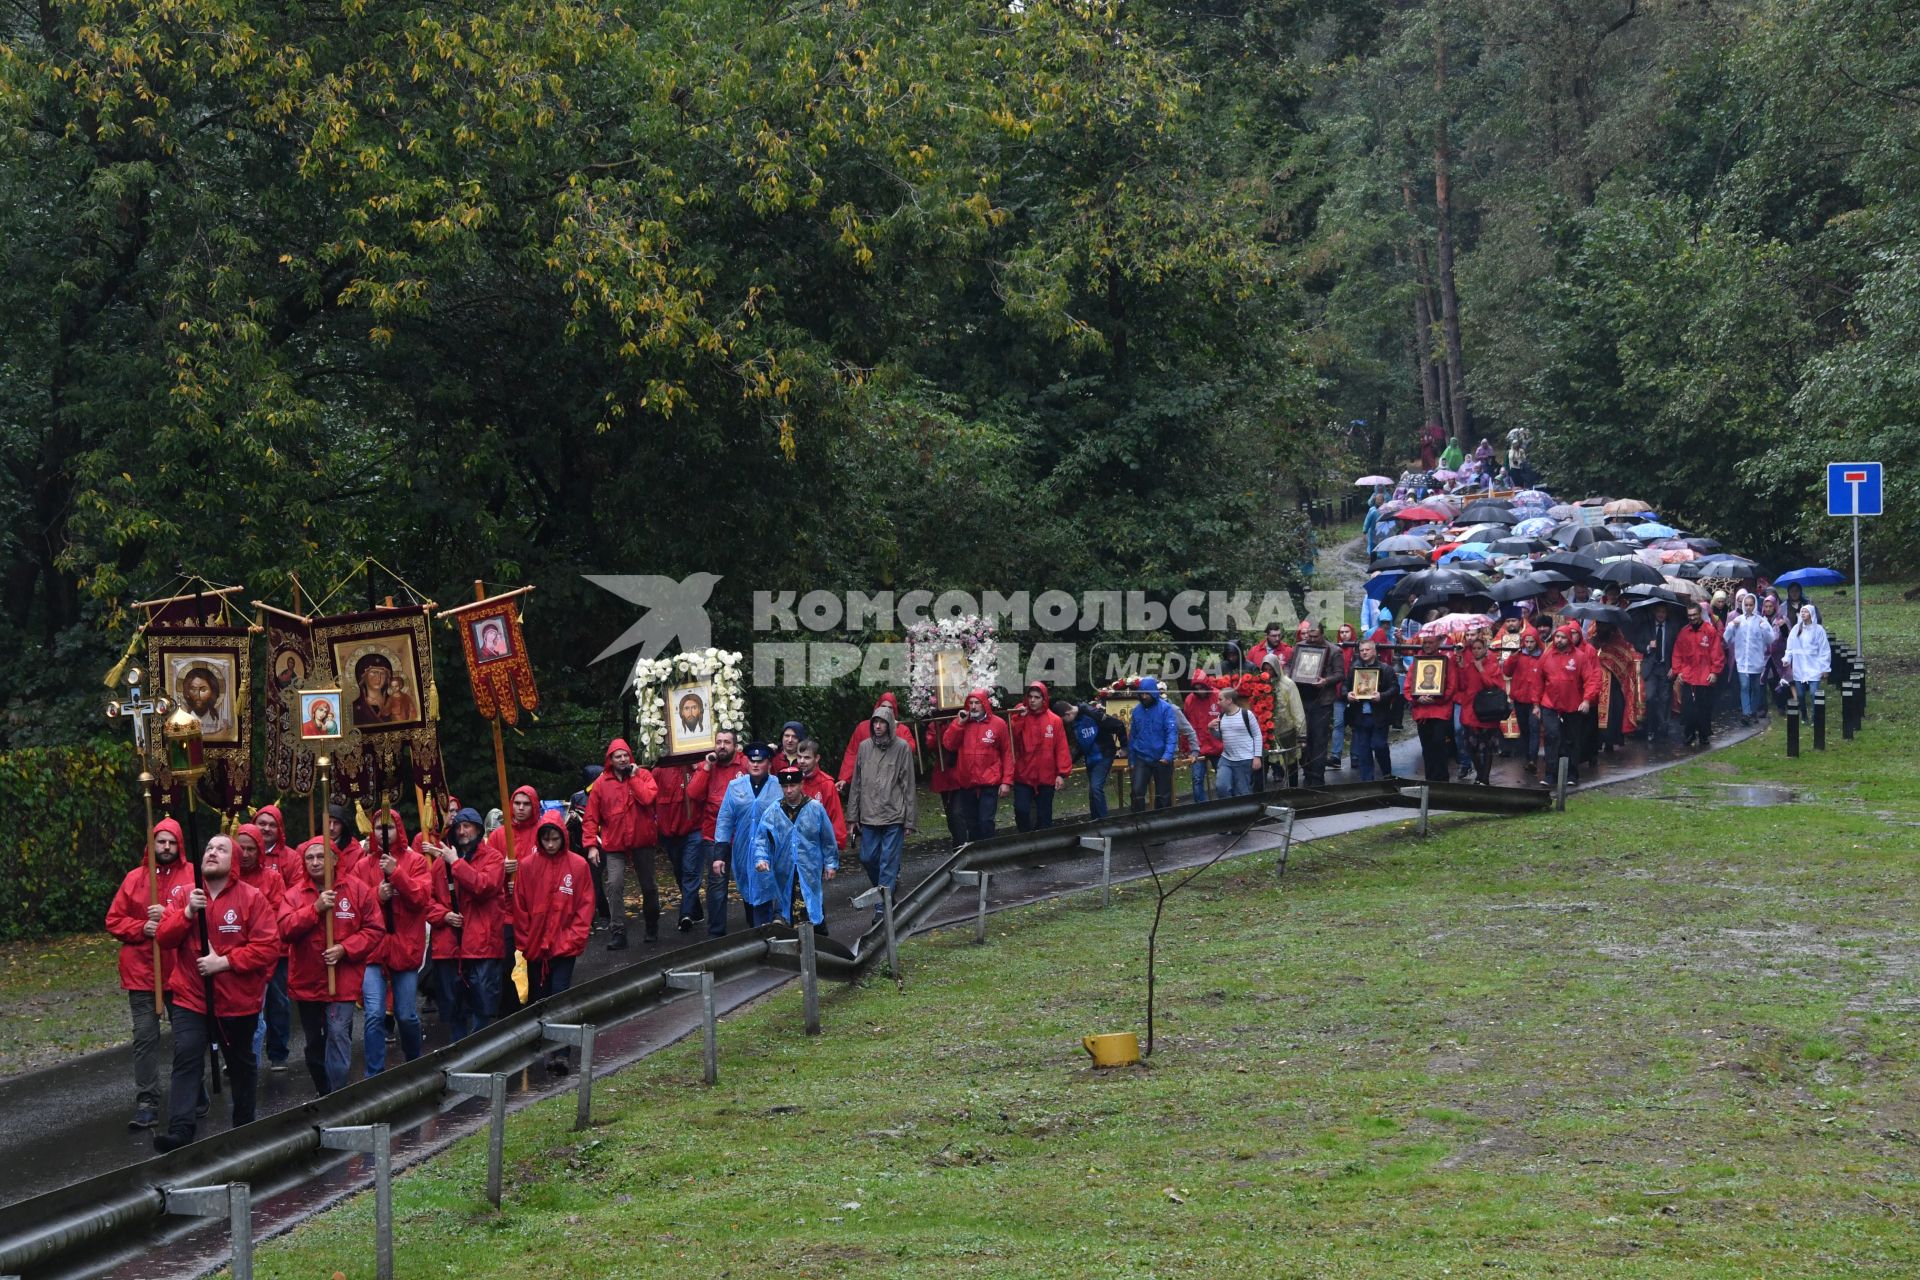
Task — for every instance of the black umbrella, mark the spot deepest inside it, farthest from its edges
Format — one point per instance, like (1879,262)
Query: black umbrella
(1725,567)
(1628,573)
(1440,583)
(1524,587)
(1577,565)
(1497,512)
(1702,544)
(1648,594)
(1549,575)
(1399,562)
(1519,546)
(1573,536)
(1592,611)
(1608,550)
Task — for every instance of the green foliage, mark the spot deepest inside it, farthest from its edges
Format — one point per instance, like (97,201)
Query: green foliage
(74,830)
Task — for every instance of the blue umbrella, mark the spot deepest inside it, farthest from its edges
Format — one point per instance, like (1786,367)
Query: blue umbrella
(1381,583)
(1814,577)
(1653,529)
(1471,551)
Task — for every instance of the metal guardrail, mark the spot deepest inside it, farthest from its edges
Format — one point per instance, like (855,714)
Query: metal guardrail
(73,1230)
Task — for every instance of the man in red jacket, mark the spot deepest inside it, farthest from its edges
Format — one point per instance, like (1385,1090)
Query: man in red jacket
(1569,688)
(402,881)
(722,765)
(1202,708)
(1698,659)
(982,771)
(1433,707)
(817,784)
(679,802)
(861,732)
(326,1017)
(619,829)
(133,918)
(552,915)
(241,943)
(1522,668)
(468,915)
(276,1019)
(1041,759)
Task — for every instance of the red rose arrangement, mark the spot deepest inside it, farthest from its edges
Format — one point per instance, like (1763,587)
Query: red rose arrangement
(1255,689)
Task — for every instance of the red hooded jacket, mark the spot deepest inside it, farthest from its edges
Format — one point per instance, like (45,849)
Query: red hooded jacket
(242,926)
(1201,709)
(264,878)
(522,831)
(982,749)
(1698,654)
(1041,756)
(1475,676)
(1569,678)
(821,787)
(863,731)
(127,913)
(281,859)
(404,915)
(481,882)
(1441,708)
(1523,676)
(941,776)
(552,900)
(357,929)
(619,816)
(717,777)
(679,800)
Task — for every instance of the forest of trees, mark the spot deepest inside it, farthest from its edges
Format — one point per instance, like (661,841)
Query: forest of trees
(891,293)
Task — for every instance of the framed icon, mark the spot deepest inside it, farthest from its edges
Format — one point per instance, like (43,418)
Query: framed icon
(689,716)
(1309,665)
(384,671)
(203,683)
(1429,677)
(490,640)
(319,714)
(1366,683)
(950,672)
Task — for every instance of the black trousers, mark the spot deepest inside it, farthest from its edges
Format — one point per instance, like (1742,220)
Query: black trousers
(1159,776)
(1480,744)
(1696,712)
(1313,762)
(1436,747)
(1562,733)
(242,1076)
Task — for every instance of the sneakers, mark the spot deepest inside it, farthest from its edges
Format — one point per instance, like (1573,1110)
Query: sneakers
(144,1118)
(616,939)
(277,1066)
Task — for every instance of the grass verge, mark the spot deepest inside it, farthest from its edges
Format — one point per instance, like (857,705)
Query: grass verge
(1661,1034)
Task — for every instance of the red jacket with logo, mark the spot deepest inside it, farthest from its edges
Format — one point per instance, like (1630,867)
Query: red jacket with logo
(1041,754)
(127,913)
(982,749)
(1523,676)
(679,800)
(1475,676)
(404,914)
(1441,708)
(1569,678)
(619,816)
(242,926)
(1698,654)
(480,888)
(357,929)
(818,785)
(552,901)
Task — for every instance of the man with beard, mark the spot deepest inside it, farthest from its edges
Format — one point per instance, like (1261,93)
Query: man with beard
(242,941)
(716,773)
(133,918)
(1698,659)
(1317,698)
(402,882)
(200,692)
(619,829)
(1569,691)
(880,799)
(326,1017)
(468,914)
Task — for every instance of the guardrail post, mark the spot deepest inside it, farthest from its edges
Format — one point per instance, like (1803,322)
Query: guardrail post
(492,1087)
(883,895)
(580,1034)
(701,980)
(1820,719)
(1104,846)
(980,913)
(809,981)
(1286,815)
(1560,785)
(232,1201)
(375,1140)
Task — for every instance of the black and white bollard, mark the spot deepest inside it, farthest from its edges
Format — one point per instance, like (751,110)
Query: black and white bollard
(701,980)
(1793,725)
(493,1087)
(232,1201)
(374,1140)
(1819,719)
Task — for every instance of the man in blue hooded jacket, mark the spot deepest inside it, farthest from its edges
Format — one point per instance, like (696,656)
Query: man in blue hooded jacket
(1152,736)
(795,841)
(745,806)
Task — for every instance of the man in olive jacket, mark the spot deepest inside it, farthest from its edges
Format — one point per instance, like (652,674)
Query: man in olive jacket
(881,799)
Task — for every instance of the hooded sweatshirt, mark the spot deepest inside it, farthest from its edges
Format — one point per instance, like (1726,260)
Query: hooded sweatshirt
(863,731)
(552,899)
(405,913)
(620,814)
(1201,707)
(357,929)
(1041,754)
(127,913)
(880,785)
(477,893)
(982,750)
(242,926)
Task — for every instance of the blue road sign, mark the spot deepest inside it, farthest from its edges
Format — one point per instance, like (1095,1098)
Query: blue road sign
(1853,488)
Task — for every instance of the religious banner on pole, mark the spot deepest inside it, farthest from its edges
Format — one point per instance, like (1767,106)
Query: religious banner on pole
(289,763)
(204,662)
(381,664)
(497,663)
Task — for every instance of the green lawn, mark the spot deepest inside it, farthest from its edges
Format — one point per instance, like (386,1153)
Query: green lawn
(1657,1035)
(59,999)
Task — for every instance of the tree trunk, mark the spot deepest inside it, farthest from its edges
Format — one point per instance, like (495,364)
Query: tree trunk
(1443,223)
(1430,397)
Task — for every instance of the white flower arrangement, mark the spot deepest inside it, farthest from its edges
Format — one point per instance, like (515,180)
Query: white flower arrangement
(652,678)
(970,634)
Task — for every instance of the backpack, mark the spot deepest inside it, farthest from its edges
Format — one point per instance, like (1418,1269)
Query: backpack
(1491,705)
